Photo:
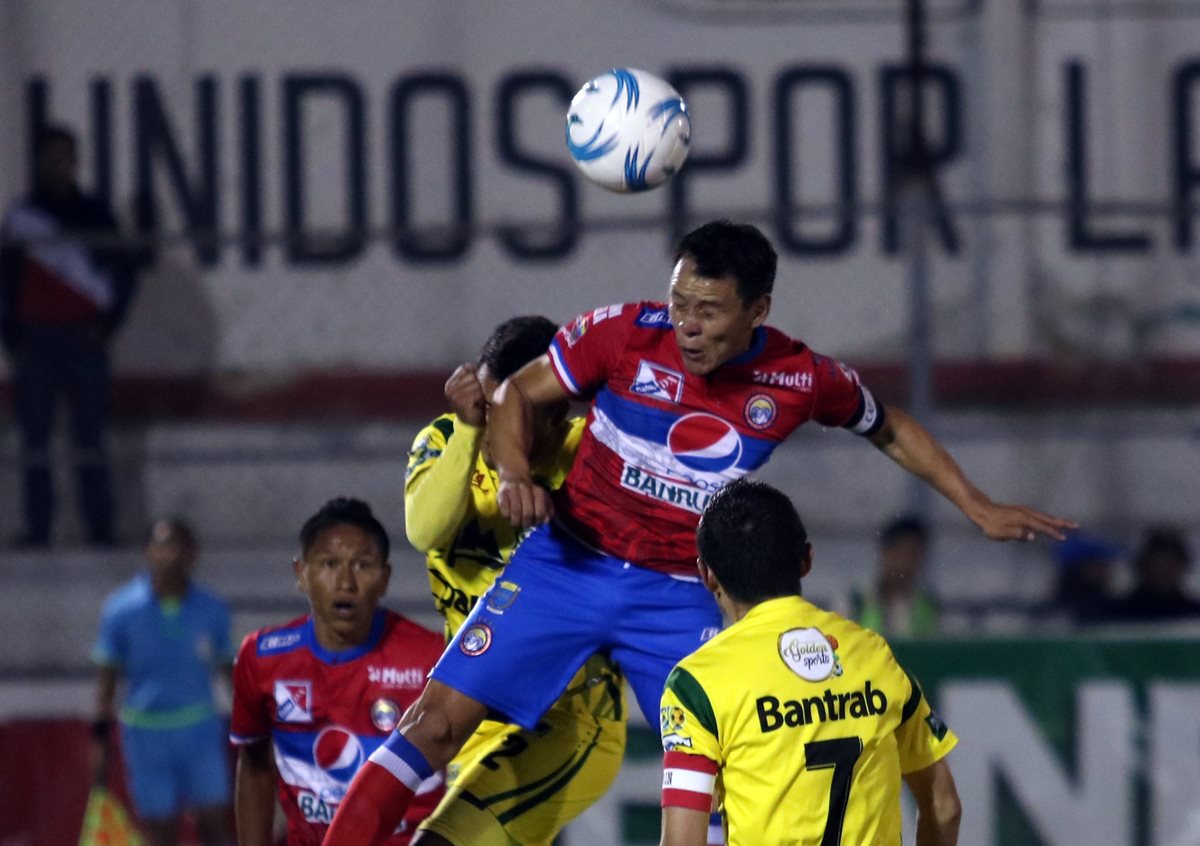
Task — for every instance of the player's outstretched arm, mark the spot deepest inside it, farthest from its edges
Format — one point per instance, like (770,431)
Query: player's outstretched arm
(909,444)
(684,827)
(510,434)
(437,485)
(254,795)
(939,810)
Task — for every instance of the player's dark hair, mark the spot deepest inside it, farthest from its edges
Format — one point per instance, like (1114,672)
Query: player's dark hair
(51,134)
(753,540)
(178,527)
(723,248)
(1166,541)
(516,342)
(348,511)
(906,525)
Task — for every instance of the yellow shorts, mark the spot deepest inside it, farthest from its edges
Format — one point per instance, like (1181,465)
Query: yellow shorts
(510,786)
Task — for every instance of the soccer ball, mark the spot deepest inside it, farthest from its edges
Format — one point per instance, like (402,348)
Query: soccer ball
(628,130)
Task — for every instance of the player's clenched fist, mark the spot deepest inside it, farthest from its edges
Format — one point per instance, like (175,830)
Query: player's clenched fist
(524,503)
(464,392)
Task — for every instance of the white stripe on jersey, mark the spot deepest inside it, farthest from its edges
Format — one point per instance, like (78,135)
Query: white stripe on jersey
(397,766)
(561,369)
(690,781)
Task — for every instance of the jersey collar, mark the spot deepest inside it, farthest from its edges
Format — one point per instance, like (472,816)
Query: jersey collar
(757,342)
(343,656)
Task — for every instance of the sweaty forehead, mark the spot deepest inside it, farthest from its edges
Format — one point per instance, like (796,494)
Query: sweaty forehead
(686,284)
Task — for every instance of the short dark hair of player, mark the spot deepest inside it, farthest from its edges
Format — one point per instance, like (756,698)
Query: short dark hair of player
(1166,541)
(906,525)
(53,134)
(348,511)
(753,541)
(723,248)
(179,528)
(516,342)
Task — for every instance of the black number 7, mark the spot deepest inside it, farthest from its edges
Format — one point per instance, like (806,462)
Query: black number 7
(841,754)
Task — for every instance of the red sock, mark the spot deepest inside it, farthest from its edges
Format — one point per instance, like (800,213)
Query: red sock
(380,795)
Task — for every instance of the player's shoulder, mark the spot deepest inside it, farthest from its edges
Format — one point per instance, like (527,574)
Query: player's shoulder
(273,641)
(398,627)
(437,431)
(129,597)
(208,598)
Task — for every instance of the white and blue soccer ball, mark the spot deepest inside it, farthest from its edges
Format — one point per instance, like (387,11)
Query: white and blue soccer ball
(628,130)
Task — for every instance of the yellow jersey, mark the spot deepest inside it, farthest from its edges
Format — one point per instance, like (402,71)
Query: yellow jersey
(467,542)
(803,723)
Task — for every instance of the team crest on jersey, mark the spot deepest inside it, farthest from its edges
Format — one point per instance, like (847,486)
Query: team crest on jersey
(293,701)
(476,640)
(760,411)
(672,724)
(501,597)
(704,442)
(385,714)
(810,654)
(654,380)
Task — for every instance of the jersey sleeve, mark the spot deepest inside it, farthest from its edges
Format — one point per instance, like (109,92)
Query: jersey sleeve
(691,751)
(587,349)
(921,738)
(437,490)
(251,717)
(842,400)
(110,647)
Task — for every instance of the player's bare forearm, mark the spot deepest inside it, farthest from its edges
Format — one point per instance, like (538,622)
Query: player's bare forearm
(684,827)
(914,448)
(106,691)
(939,810)
(510,439)
(254,795)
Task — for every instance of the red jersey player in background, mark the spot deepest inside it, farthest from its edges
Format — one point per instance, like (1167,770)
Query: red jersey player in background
(686,397)
(323,691)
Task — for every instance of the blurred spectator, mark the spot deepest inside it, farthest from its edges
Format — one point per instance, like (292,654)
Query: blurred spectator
(65,286)
(165,635)
(1160,565)
(1085,570)
(899,604)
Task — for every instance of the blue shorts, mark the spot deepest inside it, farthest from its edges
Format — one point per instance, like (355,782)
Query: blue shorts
(556,604)
(172,769)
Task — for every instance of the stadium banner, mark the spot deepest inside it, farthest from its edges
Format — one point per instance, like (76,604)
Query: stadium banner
(1064,742)
(389,177)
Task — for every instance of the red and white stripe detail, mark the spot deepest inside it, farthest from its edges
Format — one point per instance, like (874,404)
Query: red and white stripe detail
(397,766)
(688,781)
(561,371)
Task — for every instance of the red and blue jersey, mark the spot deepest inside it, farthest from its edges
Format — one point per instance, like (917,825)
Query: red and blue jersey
(661,441)
(326,712)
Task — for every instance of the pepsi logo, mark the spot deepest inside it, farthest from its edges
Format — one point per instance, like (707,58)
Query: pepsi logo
(338,753)
(704,443)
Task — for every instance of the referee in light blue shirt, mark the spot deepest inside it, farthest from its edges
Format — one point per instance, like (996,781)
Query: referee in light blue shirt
(165,635)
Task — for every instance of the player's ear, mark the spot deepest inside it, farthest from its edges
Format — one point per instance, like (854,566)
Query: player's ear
(806,560)
(707,577)
(387,577)
(298,569)
(761,308)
